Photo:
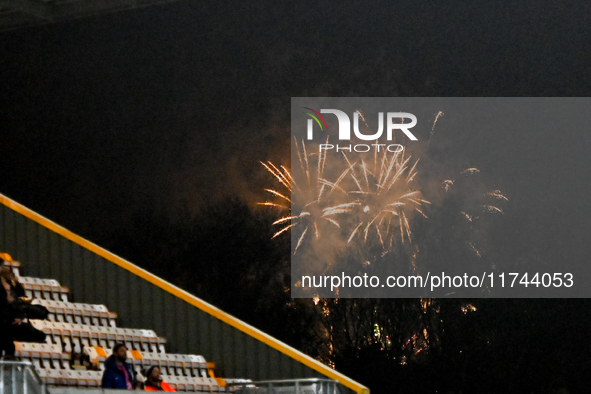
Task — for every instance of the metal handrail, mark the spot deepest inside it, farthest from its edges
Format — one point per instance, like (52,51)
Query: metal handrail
(21,367)
(269,385)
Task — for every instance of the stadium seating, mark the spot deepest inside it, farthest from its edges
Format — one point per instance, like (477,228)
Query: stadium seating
(44,289)
(90,330)
(87,314)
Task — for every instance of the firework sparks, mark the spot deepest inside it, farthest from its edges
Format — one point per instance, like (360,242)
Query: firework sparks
(383,197)
(468,217)
(475,250)
(447,184)
(474,207)
(470,171)
(309,197)
(440,113)
(370,197)
(492,209)
(498,195)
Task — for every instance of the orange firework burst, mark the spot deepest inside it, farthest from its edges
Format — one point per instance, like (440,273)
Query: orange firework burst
(364,198)
(310,196)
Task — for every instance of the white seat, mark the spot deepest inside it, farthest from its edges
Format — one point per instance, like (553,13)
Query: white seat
(53,377)
(96,354)
(198,366)
(93,378)
(176,382)
(209,383)
(155,358)
(44,288)
(71,312)
(42,355)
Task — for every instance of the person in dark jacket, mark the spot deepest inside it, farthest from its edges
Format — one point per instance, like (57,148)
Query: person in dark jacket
(21,303)
(12,316)
(118,373)
(6,324)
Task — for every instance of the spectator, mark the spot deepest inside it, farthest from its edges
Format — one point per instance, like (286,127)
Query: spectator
(118,373)
(154,381)
(12,317)
(6,321)
(20,302)
(10,283)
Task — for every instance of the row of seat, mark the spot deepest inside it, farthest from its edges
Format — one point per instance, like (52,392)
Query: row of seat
(80,378)
(84,378)
(42,355)
(187,372)
(189,365)
(185,383)
(79,313)
(44,289)
(51,356)
(74,337)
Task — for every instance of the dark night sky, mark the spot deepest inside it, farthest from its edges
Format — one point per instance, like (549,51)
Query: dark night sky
(176,104)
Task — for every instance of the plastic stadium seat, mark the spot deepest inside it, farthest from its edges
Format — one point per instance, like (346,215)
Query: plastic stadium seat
(94,378)
(44,289)
(209,383)
(199,368)
(97,355)
(42,355)
(57,312)
(82,314)
(135,358)
(190,384)
(53,336)
(53,377)
(176,362)
(173,364)
(134,361)
(196,384)
(69,377)
(185,383)
(176,382)
(23,351)
(155,358)
(42,372)
(185,364)
(82,378)
(75,337)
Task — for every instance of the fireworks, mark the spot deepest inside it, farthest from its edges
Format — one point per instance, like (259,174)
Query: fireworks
(366,199)
(310,195)
(362,200)
(487,206)
(383,197)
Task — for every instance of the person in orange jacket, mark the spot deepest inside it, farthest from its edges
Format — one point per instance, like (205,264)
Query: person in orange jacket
(154,382)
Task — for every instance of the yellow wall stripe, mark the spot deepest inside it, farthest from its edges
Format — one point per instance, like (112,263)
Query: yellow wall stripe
(189,298)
